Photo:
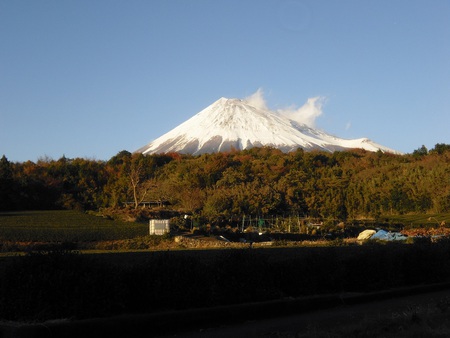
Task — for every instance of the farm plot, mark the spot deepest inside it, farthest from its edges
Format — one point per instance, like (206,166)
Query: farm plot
(64,226)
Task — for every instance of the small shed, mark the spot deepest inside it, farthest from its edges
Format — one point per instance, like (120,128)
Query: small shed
(159,226)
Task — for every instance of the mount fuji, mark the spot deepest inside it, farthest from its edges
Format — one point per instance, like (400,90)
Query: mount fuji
(235,123)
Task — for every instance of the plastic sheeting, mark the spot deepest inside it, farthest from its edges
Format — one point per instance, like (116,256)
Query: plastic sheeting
(366,234)
(381,235)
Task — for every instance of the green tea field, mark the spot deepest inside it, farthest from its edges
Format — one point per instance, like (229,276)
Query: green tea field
(65,226)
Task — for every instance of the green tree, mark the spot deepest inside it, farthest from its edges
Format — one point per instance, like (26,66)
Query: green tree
(7,197)
(422,151)
(441,148)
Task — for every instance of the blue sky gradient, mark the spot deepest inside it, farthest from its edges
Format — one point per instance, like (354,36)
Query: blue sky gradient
(91,78)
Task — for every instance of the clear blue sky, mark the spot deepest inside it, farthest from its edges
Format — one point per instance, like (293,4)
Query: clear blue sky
(89,78)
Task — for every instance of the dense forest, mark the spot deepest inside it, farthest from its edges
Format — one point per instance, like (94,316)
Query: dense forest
(258,181)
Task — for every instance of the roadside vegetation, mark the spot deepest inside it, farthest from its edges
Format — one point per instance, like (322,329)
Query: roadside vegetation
(32,231)
(310,207)
(60,284)
(65,276)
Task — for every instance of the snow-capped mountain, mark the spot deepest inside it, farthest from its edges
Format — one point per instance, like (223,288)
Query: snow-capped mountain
(234,123)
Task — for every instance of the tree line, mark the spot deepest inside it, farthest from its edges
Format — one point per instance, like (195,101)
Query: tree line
(257,181)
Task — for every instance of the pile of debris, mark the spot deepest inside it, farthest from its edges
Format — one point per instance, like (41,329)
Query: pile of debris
(428,232)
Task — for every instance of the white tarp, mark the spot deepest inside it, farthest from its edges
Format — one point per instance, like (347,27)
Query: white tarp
(366,234)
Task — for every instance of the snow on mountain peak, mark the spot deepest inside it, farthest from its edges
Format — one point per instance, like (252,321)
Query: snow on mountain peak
(236,123)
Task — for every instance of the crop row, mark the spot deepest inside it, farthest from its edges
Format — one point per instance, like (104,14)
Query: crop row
(69,285)
(64,226)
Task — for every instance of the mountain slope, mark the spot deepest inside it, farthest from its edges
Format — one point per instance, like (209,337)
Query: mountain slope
(234,123)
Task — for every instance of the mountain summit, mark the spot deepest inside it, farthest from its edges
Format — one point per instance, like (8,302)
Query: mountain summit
(234,123)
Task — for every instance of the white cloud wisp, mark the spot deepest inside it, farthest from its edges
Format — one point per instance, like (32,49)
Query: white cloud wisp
(306,114)
(257,100)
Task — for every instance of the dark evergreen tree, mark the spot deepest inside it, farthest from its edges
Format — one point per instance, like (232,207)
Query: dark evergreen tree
(7,196)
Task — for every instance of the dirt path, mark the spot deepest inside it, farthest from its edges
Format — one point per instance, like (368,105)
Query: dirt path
(394,317)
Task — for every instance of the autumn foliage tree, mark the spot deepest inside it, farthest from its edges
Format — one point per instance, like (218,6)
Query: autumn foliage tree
(257,181)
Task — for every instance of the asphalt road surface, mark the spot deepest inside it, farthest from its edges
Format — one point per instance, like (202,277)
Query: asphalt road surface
(300,325)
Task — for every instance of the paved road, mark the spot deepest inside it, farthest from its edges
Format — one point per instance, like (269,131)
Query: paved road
(229,321)
(300,324)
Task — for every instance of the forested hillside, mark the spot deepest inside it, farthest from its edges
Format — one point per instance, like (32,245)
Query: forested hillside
(259,181)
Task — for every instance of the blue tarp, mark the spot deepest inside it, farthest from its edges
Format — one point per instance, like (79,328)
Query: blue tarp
(384,235)
(381,234)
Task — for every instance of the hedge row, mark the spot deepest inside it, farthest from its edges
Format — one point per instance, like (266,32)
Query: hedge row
(65,284)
